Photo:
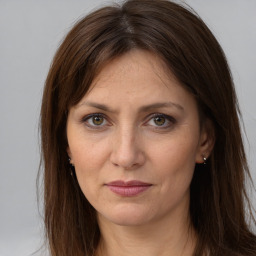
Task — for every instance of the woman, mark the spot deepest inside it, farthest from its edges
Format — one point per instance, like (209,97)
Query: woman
(141,143)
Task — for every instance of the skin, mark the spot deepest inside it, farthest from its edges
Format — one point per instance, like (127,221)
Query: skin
(128,142)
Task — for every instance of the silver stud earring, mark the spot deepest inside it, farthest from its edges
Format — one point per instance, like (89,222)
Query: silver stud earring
(205,159)
(71,167)
(69,160)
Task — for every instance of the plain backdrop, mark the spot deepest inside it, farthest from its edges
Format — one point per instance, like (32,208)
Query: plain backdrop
(30,32)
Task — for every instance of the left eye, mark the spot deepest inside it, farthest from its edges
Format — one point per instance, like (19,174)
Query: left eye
(161,120)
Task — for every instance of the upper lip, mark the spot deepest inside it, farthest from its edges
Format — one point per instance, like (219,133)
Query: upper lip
(121,183)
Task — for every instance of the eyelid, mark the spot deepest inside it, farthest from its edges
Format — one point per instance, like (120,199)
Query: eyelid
(171,118)
(86,117)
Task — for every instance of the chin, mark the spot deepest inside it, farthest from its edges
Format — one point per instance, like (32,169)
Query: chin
(128,221)
(127,217)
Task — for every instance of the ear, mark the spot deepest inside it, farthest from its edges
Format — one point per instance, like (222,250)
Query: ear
(206,141)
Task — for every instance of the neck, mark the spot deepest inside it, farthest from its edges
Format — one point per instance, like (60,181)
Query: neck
(164,237)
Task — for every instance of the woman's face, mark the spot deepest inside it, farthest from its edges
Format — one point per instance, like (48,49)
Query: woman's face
(134,140)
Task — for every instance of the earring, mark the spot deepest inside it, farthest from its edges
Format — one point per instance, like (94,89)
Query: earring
(71,167)
(205,159)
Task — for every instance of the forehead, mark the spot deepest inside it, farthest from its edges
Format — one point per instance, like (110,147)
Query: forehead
(134,79)
(134,70)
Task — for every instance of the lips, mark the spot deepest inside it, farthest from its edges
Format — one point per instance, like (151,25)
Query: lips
(128,188)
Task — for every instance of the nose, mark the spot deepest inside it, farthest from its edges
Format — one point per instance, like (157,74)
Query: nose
(127,150)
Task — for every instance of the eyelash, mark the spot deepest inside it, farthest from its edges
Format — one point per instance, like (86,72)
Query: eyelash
(169,119)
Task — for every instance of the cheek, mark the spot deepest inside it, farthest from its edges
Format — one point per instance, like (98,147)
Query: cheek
(176,150)
(89,159)
(87,153)
(175,162)
(175,167)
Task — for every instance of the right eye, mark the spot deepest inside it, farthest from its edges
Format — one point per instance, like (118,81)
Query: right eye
(95,120)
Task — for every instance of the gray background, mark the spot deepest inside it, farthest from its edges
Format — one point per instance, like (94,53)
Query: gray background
(30,32)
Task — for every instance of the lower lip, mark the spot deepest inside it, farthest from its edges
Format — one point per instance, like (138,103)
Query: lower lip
(128,190)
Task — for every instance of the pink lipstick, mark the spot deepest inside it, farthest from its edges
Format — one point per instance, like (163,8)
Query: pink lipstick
(129,188)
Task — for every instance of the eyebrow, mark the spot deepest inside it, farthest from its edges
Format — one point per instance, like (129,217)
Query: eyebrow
(161,105)
(141,109)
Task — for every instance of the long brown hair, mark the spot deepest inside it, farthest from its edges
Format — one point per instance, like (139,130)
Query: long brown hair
(190,51)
